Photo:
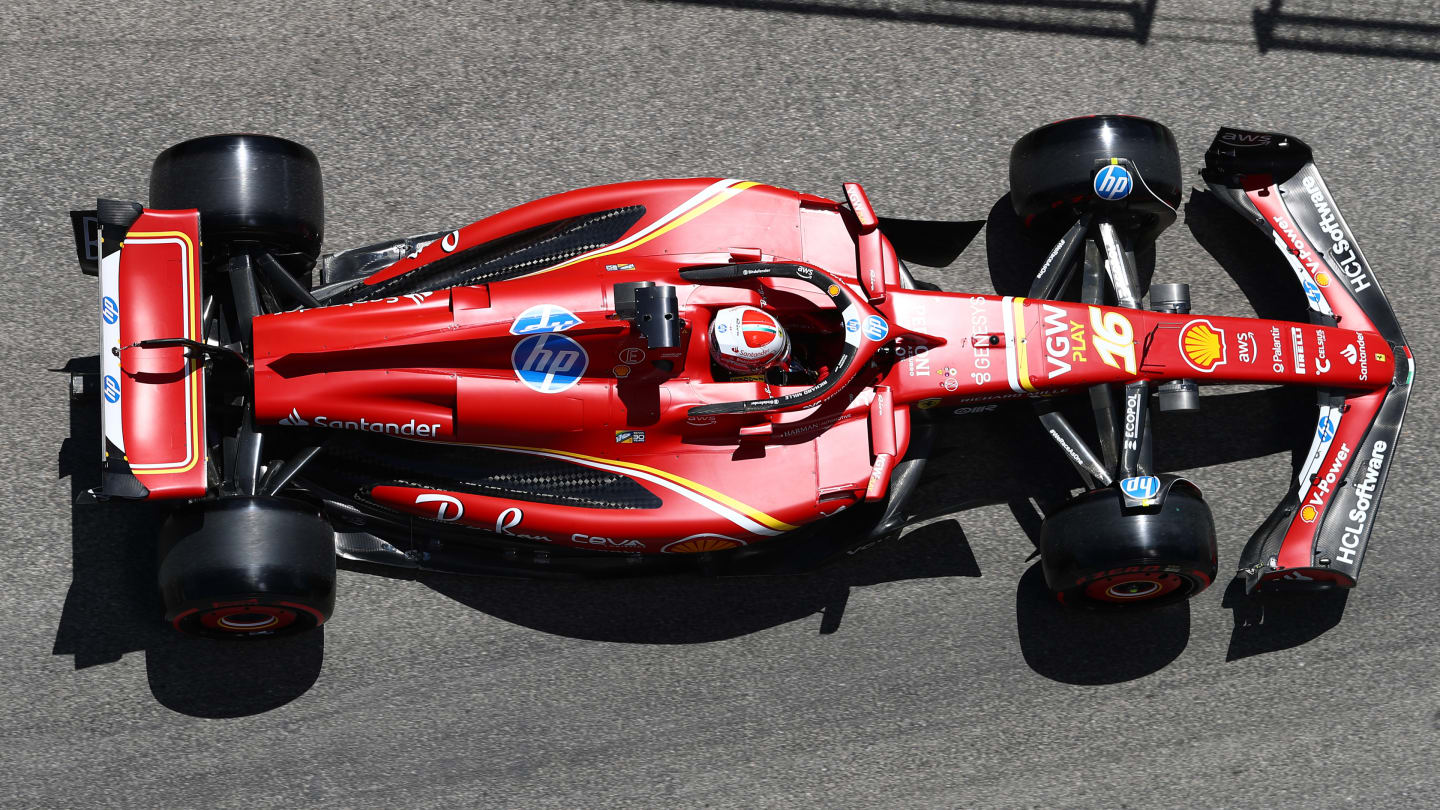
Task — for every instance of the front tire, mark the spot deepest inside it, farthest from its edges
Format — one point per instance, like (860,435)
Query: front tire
(1095,555)
(247,568)
(1051,170)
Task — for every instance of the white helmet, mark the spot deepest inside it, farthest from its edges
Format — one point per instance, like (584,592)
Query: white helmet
(747,340)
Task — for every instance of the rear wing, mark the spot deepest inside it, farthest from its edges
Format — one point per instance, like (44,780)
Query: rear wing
(1319,532)
(152,409)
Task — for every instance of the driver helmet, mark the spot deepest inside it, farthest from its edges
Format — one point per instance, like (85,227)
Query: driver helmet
(747,340)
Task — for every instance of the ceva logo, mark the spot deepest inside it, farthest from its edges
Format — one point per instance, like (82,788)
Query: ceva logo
(1113,182)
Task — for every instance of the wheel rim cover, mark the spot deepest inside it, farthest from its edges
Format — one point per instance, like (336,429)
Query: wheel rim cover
(243,619)
(1134,587)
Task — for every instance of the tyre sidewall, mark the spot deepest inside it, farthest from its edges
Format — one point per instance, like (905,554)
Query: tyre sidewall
(1092,541)
(247,555)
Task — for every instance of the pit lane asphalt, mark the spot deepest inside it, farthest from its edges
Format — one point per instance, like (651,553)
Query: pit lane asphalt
(929,672)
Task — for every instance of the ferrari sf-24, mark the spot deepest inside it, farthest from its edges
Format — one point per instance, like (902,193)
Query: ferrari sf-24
(698,374)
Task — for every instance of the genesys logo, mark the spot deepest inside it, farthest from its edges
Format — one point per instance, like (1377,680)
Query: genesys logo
(410,428)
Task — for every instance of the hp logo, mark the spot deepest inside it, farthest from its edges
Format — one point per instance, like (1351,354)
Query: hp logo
(1113,182)
(109,310)
(1325,431)
(1141,488)
(111,388)
(543,318)
(876,328)
(549,363)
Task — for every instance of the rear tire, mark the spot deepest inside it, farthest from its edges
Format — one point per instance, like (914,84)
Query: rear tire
(1052,167)
(252,191)
(247,568)
(1095,555)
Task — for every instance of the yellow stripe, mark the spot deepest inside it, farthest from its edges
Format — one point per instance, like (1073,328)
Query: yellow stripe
(1114,161)
(745,509)
(192,316)
(670,226)
(1022,351)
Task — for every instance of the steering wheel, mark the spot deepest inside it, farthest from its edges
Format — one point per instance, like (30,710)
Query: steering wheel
(865,331)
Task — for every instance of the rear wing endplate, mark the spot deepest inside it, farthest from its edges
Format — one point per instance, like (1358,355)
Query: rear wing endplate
(152,399)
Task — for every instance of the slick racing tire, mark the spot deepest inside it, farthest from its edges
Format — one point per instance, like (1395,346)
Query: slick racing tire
(251,190)
(1095,555)
(1052,168)
(247,568)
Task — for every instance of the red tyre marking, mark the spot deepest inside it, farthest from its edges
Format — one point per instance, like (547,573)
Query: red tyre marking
(1137,586)
(176,622)
(248,618)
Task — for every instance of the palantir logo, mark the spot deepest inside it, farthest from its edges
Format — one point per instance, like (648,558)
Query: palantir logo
(549,363)
(1142,487)
(1113,182)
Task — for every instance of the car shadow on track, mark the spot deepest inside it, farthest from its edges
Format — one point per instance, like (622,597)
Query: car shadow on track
(114,607)
(1021,465)
(694,610)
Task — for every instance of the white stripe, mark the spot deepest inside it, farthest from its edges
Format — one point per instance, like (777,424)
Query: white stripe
(718,508)
(1011,345)
(705,194)
(112,414)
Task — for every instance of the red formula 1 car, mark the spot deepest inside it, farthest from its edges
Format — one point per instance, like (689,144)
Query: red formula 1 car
(536,393)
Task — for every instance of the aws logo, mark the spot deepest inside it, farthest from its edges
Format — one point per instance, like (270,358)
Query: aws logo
(1202,345)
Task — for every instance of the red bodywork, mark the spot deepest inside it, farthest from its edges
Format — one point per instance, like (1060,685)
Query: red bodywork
(542,365)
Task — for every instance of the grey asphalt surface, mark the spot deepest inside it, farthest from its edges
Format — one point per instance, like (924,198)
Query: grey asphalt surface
(929,672)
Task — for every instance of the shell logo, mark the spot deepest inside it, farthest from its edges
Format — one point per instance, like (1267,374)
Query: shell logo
(1322,278)
(702,542)
(1202,345)
(1307,514)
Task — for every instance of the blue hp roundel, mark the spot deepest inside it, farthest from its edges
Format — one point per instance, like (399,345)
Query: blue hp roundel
(549,363)
(1113,182)
(876,328)
(109,310)
(1325,431)
(112,389)
(543,318)
(1142,487)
